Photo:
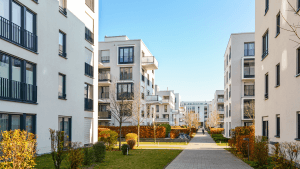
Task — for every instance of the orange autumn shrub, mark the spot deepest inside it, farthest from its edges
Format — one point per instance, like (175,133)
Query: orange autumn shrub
(175,132)
(216,130)
(145,131)
(101,129)
(131,136)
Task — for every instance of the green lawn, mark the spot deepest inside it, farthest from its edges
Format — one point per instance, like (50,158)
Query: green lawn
(146,159)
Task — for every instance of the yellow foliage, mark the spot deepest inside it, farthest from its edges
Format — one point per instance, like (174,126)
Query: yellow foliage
(131,136)
(18,148)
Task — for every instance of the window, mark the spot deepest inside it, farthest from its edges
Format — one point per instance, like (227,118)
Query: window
(89,29)
(157,108)
(143,113)
(249,108)
(166,108)
(229,109)
(126,73)
(266,86)
(249,68)
(153,83)
(298,114)
(267,6)
(278,24)
(229,91)
(143,77)
(249,90)
(152,71)
(104,92)
(62,86)
(226,108)
(298,61)
(298,5)
(65,124)
(125,91)
(148,81)
(13,121)
(249,49)
(17,79)
(88,97)
(20,28)
(104,75)
(230,53)
(62,45)
(126,55)
(265,129)
(157,116)
(89,62)
(229,72)
(278,74)
(63,6)
(227,61)
(166,116)
(278,125)
(265,45)
(90,4)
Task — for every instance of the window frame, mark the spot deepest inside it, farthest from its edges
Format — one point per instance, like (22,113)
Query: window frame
(265,45)
(165,108)
(246,51)
(63,125)
(22,121)
(63,53)
(129,74)
(119,56)
(64,95)
(266,86)
(267,3)
(277,75)
(88,100)
(277,126)
(277,24)
(131,94)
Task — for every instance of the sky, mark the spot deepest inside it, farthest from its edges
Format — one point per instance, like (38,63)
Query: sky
(187,37)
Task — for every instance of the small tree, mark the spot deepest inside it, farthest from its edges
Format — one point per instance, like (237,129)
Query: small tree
(57,147)
(214,119)
(249,110)
(75,155)
(191,119)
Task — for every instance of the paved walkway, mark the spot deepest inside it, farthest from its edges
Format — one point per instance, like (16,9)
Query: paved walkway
(203,153)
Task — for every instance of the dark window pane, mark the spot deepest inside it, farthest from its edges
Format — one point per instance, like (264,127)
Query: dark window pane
(3,122)
(29,124)
(4,66)
(15,122)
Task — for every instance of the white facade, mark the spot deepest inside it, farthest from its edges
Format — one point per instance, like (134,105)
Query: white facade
(277,69)
(218,105)
(239,80)
(199,107)
(34,65)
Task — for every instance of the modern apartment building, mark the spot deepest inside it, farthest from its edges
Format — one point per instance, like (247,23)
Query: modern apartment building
(218,105)
(201,108)
(277,112)
(126,65)
(239,80)
(46,68)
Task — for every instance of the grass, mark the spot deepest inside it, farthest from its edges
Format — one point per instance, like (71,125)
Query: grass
(160,143)
(146,159)
(222,144)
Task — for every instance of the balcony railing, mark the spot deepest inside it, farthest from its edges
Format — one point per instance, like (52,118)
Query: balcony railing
(62,10)
(249,76)
(17,91)
(125,76)
(221,100)
(89,70)
(125,96)
(162,119)
(104,77)
(17,35)
(88,104)
(249,92)
(104,115)
(249,52)
(89,35)
(153,98)
(104,95)
(165,100)
(90,4)
(149,60)
(104,59)
(148,82)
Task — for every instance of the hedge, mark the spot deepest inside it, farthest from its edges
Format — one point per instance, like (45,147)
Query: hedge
(145,131)
(175,132)
(216,130)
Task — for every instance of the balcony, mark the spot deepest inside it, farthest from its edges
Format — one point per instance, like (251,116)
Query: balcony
(88,104)
(221,100)
(104,59)
(103,96)
(249,69)
(88,70)
(166,101)
(89,36)
(125,76)
(143,78)
(104,79)
(17,35)
(153,98)
(90,4)
(162,120)
(249,92)
(149,63)
(17,91)
(125,96)
(104,115)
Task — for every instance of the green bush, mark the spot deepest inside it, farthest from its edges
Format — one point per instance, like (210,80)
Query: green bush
(75,155)
(125,148)
(131,136)
(261,151)
(109,137)
(99,151)
(168,128)
(217,135)
(88,156)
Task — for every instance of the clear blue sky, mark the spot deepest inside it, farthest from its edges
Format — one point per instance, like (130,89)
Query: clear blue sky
(187,37)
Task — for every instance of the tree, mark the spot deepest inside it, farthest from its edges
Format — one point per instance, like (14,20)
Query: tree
(214,119)
(191,120)
(249,110)
(120,104)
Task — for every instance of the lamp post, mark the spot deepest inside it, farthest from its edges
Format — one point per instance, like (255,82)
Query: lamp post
(247,139)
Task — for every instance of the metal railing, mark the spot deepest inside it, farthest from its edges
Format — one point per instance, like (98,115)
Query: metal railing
(249,76)
(125,76)
(153,98)
(104,95)
(18,91)
(265,53)
(17,35)
(90,4)
(104,115)
(104,59)
(104,77)
(63,10)
(221,100)
(89,35)
(220,109)
(249,92)
(149,60)
(88,70)
(88,104)
(125,96)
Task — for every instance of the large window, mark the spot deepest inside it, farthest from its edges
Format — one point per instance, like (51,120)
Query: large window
(62,44)
(16,121)
(249,68)
(88,97)
(249,108)
(89,62)
(249,49)
(17,79)
(18,25)
(126,55)
(89,29)
(62,86)
(265,42)
(157,108)
(126,73)
(249,90)
(266,86)
(65,124)
(278,74)
(125,91)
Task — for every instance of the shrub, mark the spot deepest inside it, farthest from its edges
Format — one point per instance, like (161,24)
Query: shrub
(131,143)
(75,155)
(145,131)
(18,149)
(168,128)
(216,130)
(261,150)
(57,147)
(99,151)
(125,148)
(88,156)
(131,136)
(109,137)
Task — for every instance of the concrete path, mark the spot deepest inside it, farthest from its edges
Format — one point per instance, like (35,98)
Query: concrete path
(203,153)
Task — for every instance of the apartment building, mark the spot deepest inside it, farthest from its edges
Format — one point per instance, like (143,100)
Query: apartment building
(201,108)
(126,65)
(277,112)
(218,105)
(46,68)
(239,81)
(182,113)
